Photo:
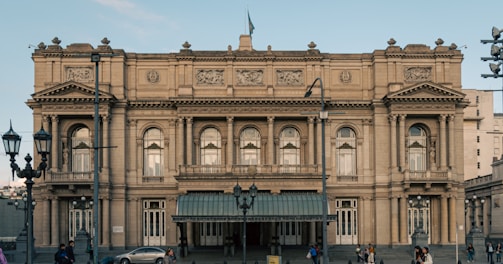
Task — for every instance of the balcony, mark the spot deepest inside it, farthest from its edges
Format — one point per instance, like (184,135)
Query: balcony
(69,177)
(275,171)
(427,178)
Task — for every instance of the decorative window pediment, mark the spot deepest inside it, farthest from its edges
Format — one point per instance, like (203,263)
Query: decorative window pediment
(425,91)
(71,91)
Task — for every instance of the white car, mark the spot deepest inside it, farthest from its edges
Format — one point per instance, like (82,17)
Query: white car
(152,255)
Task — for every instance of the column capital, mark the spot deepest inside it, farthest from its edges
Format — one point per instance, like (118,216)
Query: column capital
(230,119)
(392,118)
(402,117)
(270,119)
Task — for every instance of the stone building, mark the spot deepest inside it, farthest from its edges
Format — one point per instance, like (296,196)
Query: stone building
(179,130)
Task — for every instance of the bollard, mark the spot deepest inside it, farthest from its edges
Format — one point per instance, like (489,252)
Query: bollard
(459,261)
(225,261)
(349,262)
(382,261)
(288,262)
(412,262)
(256,262)
(193,262)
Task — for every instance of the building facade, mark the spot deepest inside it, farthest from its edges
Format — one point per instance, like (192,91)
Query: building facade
(179,130)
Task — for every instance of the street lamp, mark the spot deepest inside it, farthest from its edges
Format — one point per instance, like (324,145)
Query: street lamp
(96,57)
(12,142)
(245,206)
(25,209)
(419,203)
(472,204)
(497,56)
(323,117)
(82,205)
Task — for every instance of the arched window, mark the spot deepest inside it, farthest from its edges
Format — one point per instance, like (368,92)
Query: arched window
(250,147)
(81,150)
(346,152)
(153,146)
(417,149)
(289,149)
(211,147)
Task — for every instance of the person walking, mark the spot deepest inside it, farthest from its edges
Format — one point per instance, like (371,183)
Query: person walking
(61,257)
(498,252)
(169,257)
(69,251)
(371,259)
(358,252)
(314,254)
(418,252)
(3,259)
(470,251)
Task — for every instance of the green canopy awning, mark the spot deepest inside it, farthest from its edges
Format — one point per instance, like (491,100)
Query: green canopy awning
(219,207)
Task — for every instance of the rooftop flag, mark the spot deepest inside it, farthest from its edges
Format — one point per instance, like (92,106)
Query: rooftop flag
(250,24)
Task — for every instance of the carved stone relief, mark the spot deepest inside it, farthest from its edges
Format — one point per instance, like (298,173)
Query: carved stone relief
(345,77)
(417,74)
(290,77)
(210,77)
(152,76)
(250,77)
(79,74)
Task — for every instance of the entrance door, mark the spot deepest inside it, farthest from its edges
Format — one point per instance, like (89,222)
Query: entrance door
(154,222)
(290,233)
(80,219)
(417,218)
(210,234)
(346,211)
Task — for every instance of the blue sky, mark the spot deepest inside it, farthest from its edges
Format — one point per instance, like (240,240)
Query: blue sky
(164,25)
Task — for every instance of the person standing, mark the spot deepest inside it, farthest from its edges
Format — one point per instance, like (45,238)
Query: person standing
(358,252)
(69,251)
(418,252)
(3,259)
(489,252)
(371,259)
(60,257)
(427,258)
(498,252)
(470,251)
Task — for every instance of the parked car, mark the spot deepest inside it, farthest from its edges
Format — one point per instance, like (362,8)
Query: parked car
(151,255)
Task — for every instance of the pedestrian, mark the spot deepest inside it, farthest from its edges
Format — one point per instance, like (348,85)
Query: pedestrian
(317,252)
(358,252)
(90,250)
(427,258)
(3,259)
(418,252)
(169,257)
(498,252)
(470,251)
(371,259)
(60,257)
(489,252)
(314,255)
(69,251)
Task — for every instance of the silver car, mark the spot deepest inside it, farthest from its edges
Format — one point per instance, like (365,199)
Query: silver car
(152,255)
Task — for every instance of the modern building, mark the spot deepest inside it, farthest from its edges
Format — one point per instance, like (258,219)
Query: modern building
(179,130)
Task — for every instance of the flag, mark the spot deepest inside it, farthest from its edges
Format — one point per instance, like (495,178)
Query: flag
(250,24)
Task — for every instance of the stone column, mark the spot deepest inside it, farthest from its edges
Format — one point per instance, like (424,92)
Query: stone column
(46,222)
(452,219)
(55,141)
(393,158)
(312,232)
(403,220)
(270,140)
(105,227)
(452,154)
(401,147)
(394,220)
(444,211)
(230,143)
(55,222)
(318,145)
(310,140)
(190,141)
(179,139)
(106,150)
(443,142)
(171,142)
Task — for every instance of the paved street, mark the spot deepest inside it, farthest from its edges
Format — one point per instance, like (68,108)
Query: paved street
(292,255)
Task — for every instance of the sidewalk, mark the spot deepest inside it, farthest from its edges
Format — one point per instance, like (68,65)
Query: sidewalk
(292,255)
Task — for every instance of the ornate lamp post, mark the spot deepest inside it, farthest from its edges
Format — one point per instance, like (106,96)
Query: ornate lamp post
(12,142)
(497,56)
(473,205)
(25,209)
(83,205)
(245,206)
(475,236)
(419,237)
(323,117)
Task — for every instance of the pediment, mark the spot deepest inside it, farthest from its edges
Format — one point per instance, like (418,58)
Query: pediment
(427,92)
(70,91)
